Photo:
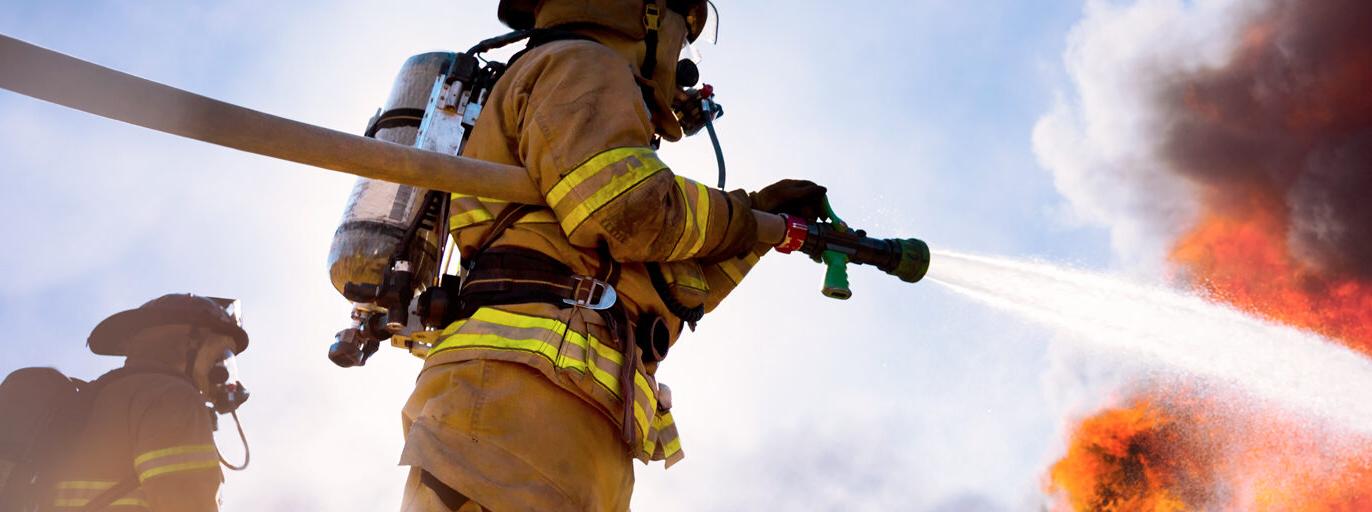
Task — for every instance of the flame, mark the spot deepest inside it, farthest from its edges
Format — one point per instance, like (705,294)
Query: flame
(1181,448)
(1179,452)
(1124,459)
(1243,259)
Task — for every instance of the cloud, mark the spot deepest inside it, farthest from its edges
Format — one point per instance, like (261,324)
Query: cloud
(1101,138)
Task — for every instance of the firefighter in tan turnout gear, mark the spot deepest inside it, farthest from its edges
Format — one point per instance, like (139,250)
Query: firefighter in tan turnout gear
(147,443)
(543,394)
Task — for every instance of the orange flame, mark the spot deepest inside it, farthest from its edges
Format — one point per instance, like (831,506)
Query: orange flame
(1242,258)
(1165,455)
(1122,459)
(1172,450)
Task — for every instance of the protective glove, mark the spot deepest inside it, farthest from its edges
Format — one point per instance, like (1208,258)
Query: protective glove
(797,198)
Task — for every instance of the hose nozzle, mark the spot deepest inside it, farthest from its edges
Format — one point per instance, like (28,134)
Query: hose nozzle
(837,245)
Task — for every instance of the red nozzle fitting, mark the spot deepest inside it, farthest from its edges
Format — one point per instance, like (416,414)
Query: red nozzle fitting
(796,232)
(707,91)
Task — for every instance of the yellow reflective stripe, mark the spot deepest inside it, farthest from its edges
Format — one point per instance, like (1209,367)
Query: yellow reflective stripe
(639,163)
(455,339)
(696,221)
(468,218)
(682,274)
(593,166)
(177,468)
(468,210)
(121,502)
(736,268)
(496,341)
(732,271)
(673,445)
(78,484)
(78,493)
(505,318)
(176,450)
(177,459)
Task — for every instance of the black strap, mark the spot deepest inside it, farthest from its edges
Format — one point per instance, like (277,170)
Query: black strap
(395,118)
(541,36)
(650,10)
(503,221)
(449,496)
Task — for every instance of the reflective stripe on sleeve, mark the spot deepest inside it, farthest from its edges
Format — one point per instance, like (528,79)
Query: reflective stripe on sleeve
(682,274)
(175,459)
(736,268)
(593,184)
(696,198)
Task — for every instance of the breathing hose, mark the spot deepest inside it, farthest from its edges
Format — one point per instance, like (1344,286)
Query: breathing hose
(247,454)
(714,140)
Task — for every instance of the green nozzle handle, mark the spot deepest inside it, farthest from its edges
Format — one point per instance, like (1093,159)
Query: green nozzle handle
(836,275)
(835,263)
(837,246)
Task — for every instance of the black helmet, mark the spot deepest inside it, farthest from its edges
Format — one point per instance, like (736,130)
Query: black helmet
(625,16)
(111,337)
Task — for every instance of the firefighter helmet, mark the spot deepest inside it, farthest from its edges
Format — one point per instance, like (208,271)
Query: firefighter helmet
(110,337)
(624,16)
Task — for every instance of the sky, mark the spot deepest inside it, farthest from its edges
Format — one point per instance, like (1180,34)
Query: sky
(918,115)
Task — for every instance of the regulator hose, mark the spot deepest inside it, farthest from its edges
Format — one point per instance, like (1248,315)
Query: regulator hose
(247,454)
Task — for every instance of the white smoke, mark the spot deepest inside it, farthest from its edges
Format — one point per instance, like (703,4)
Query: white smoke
(1099,138)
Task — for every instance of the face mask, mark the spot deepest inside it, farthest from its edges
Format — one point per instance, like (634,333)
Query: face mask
(222,386)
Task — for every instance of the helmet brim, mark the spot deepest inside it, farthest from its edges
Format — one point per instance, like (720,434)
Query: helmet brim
(111,336)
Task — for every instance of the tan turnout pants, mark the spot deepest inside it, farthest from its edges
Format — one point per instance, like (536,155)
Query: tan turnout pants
(505,437)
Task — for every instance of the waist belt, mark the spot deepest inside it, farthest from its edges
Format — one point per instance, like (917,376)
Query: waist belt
(507,276)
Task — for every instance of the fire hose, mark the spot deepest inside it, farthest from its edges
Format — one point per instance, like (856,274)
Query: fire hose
(70,82)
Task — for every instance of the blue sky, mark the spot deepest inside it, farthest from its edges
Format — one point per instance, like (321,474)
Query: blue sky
(918,115)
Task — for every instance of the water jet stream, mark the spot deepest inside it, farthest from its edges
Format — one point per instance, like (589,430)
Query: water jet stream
(1297,370)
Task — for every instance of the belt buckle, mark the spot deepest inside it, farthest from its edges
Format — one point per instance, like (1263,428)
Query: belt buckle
(608,296)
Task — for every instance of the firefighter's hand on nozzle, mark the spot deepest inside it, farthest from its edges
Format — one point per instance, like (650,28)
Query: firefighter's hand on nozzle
(797,198)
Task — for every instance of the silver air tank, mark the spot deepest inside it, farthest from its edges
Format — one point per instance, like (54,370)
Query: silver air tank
(379,213)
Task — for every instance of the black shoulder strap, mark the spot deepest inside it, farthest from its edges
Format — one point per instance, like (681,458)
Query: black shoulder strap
(541,36)
(503,220)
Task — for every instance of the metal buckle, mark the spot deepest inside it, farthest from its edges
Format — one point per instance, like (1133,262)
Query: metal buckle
(608,296)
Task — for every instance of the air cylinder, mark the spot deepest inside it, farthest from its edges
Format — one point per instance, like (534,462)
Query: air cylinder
(379,213)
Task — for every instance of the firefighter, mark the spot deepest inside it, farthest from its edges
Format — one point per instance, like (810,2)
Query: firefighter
(148,443)
(543,393)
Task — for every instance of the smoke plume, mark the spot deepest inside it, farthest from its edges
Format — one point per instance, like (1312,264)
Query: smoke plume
(1285,126)
(1229,145)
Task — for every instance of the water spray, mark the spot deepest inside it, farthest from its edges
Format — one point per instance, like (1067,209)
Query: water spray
(1297,370)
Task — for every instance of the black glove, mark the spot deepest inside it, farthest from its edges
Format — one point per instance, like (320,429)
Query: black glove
(797,198)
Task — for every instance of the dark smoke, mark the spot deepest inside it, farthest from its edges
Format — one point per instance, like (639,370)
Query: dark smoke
(1287,125)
